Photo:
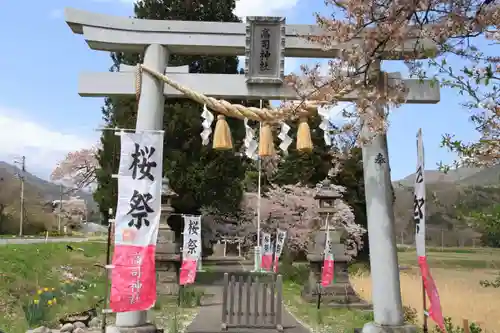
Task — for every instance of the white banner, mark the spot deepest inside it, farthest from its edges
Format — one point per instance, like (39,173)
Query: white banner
(191,246)
(419,198)
(266,244)
(280,242)
(328,252)
(138,210)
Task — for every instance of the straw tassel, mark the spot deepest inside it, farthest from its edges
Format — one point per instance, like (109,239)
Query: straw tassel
(222,134)
(304,142)
(266,143)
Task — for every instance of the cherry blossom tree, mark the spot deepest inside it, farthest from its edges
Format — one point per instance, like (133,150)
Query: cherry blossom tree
(78,169)
(465,58)
(292,208)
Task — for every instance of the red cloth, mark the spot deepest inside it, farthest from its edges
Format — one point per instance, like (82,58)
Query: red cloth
(133,278)
(327,273)
(435,312)
(188,271)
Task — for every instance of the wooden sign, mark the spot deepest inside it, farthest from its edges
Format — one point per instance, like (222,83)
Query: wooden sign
(265,50)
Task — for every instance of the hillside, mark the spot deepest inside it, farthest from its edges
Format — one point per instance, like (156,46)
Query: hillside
(448,195)
(37,193)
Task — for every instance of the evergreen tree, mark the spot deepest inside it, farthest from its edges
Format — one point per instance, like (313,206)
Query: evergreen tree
(200,175)
(306,168)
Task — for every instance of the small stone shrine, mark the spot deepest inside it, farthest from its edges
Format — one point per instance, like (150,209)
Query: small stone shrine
(167,251)
(340,292)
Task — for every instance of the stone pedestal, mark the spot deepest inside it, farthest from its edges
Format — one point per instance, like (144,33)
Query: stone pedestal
(218,250)
(167,262)
(339,293)
(375,328)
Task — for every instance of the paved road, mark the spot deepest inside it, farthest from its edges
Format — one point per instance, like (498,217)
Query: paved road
(5,241)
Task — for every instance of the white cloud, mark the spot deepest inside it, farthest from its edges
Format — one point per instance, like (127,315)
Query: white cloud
(263,7)
(250,7)
(56,13)
(42,146)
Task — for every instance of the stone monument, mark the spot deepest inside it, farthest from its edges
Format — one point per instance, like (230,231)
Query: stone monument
(339,293)
(167,251)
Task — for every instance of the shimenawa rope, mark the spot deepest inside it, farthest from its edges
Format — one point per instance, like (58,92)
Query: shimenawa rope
(235,110)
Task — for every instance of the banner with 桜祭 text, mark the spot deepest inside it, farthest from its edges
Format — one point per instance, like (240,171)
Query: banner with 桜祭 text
(434,312)
(191,249)
(133,277)
(280,242)
(267,252)
(328,260)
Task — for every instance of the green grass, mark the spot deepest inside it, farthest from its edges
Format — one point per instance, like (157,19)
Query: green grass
(482,258)
(325,319)
(28,268)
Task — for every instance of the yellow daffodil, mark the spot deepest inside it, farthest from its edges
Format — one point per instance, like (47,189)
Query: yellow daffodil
(45,289)
(40,291)
(36,301)
(49,302)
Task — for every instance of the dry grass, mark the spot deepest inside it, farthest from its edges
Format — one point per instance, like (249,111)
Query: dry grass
(461,295)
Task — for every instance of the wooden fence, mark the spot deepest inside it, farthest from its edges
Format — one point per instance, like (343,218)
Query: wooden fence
(254,302)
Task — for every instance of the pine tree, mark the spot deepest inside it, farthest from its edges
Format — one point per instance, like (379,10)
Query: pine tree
(200,175)
(301,167)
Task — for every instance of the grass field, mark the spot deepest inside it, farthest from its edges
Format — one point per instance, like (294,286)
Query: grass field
(31,275)
(38,273)
(457,273)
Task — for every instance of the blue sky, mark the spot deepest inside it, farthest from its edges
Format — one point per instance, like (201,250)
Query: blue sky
(43,117)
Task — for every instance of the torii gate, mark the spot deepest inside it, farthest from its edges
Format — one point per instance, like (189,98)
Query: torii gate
(160,39)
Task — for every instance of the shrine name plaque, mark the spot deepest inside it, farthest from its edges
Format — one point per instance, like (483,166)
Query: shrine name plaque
(265,50)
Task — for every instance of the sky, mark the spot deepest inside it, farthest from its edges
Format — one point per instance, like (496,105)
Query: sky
(43,117)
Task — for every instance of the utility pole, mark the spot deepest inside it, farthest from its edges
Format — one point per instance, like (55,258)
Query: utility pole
(22,177)
(59,216)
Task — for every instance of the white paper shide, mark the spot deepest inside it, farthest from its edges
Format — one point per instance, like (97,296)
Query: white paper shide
(208,118)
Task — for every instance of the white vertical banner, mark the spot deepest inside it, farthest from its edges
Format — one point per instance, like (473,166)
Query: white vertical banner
(133,278)
(191,249)
(434,311)
(419,199)
(280,242)
(267,252)
(139,189)
(191,245)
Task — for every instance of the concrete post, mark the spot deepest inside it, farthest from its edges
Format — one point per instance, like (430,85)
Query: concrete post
(149,117)
(386,291)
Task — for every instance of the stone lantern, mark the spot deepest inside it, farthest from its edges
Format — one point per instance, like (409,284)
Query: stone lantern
(340,292)
(167,253)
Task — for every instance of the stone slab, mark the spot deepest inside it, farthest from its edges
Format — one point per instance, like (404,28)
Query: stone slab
(376,328)
(148,328)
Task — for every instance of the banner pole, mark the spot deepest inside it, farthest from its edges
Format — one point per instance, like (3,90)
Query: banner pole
(108,259)
(424,301)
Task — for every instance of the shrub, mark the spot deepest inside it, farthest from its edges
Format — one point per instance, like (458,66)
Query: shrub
(190,297)
(410,314)
(298,273)
(450,328)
